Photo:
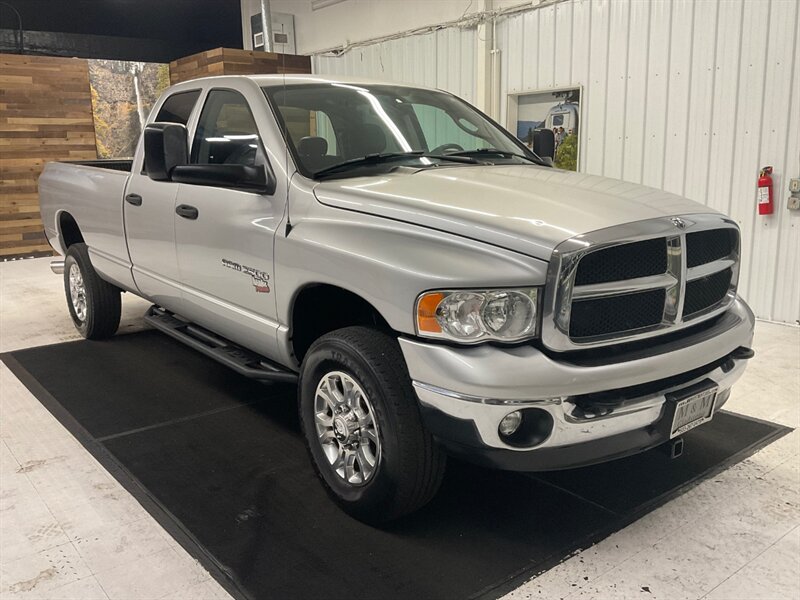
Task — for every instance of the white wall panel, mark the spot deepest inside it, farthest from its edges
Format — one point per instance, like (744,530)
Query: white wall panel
(692,96)
(562,30)
(701,101)
(546,71)
(444,59)
(675,143)
(616,90)
(730,22)
(636,92)
(775,134)
(654,111)
(581,26)
(786,297)
(753,53)
(595,93)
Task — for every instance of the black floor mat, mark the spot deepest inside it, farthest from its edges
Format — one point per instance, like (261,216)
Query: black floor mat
(219,462)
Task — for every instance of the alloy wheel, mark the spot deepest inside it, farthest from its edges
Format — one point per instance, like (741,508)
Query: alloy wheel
(77,292)
(347,428)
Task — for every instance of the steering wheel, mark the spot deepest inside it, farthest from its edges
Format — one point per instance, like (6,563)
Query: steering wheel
(447,148)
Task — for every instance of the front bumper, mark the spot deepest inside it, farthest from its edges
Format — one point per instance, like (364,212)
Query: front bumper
(464,393)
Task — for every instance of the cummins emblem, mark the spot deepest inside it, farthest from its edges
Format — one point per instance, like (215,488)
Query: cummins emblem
(678,222)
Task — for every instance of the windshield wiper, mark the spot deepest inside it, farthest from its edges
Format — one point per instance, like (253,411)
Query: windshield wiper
(498,152)
(375,159)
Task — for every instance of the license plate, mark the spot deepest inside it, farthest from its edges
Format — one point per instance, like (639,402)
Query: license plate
(693,411)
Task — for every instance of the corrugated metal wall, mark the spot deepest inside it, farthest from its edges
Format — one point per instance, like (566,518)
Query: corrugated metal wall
(692,96)
(443,59)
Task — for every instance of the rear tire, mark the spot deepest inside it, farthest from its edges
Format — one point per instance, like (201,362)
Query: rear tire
(395,466)
(94,304)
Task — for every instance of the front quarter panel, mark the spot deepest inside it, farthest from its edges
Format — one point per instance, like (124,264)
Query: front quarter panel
(388,263)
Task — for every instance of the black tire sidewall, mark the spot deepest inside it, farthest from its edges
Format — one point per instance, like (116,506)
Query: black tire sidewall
(74,258)
(103,303)
(363,500)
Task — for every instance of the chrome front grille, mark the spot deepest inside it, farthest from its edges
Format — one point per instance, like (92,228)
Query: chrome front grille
(608,314)
(627,261)
(639,280)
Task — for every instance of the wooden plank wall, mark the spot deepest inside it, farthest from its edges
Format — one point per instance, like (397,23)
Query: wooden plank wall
(45,114)
(229,61)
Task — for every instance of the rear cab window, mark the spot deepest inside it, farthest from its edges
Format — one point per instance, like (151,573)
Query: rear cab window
(178,107)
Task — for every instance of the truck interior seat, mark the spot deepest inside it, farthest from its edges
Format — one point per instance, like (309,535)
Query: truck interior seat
(369,139)
(313,151)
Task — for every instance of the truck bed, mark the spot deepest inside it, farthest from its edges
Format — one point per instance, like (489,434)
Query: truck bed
(115,164)
(90,193)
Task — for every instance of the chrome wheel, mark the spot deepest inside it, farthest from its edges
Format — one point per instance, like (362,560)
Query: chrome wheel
(77,291)
(347,428)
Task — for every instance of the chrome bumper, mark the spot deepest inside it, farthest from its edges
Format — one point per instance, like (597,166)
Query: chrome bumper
(483,384)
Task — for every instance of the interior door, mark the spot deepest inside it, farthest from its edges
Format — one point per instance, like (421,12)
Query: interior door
(149,209)
(224,236)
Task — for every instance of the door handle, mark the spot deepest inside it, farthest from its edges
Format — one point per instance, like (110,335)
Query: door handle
(186,211)
(134,199)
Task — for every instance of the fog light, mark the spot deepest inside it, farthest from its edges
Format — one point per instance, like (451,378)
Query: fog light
(510,423)
(526,428)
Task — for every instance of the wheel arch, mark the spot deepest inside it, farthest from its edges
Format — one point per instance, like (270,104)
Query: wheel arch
(69,232)
(319,308)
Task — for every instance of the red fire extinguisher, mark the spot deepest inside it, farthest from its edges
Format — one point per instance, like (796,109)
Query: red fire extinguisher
(765,204)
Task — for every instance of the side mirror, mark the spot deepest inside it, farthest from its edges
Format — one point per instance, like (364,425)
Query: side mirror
(165,147)
(544,143)
(257,179)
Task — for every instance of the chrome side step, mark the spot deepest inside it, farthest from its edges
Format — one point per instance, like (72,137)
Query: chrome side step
(239,359)
(57,267)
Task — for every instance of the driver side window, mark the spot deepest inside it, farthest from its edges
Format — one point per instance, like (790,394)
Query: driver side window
(226,132)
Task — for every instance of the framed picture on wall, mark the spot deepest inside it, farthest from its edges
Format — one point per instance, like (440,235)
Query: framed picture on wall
(556,109)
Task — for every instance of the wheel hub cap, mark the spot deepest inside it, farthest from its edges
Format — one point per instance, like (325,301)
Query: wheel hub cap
(77,292)
(346,428)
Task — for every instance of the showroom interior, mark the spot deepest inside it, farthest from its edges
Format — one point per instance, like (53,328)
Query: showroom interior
(399,299)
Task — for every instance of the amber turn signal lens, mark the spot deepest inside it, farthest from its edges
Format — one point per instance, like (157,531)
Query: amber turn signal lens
(426,312)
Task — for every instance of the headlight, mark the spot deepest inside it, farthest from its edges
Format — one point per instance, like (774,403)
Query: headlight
(474,316)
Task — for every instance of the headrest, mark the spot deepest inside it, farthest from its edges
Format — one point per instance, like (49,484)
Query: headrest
(312,146)
(369,139)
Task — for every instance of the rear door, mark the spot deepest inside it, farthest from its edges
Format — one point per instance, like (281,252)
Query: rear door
(150,217)
(225,245)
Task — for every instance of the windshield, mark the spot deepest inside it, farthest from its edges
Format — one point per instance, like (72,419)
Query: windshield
(328,124)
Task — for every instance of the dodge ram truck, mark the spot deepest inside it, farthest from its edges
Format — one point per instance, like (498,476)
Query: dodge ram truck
(432,285)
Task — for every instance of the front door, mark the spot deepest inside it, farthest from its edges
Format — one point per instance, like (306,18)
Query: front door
(224,237)
(149,209)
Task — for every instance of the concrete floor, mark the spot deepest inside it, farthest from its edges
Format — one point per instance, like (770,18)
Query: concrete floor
(69,530)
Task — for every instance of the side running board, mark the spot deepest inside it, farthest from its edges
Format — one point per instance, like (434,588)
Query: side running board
(242,361)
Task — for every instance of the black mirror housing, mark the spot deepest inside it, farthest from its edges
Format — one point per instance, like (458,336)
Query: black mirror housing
(258,179)
(165,147)
(544,143)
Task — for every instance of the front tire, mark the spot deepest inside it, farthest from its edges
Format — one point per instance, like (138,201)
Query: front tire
(362,426)
(94,304)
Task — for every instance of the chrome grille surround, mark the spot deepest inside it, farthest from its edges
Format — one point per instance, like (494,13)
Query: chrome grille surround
(561,290)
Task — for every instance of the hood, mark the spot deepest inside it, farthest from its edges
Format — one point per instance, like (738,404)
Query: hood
(528,209)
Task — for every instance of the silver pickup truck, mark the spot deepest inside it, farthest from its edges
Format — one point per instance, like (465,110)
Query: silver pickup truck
(432,285)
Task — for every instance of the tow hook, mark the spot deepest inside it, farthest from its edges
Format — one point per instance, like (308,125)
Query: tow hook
(742,353)
(672,448)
